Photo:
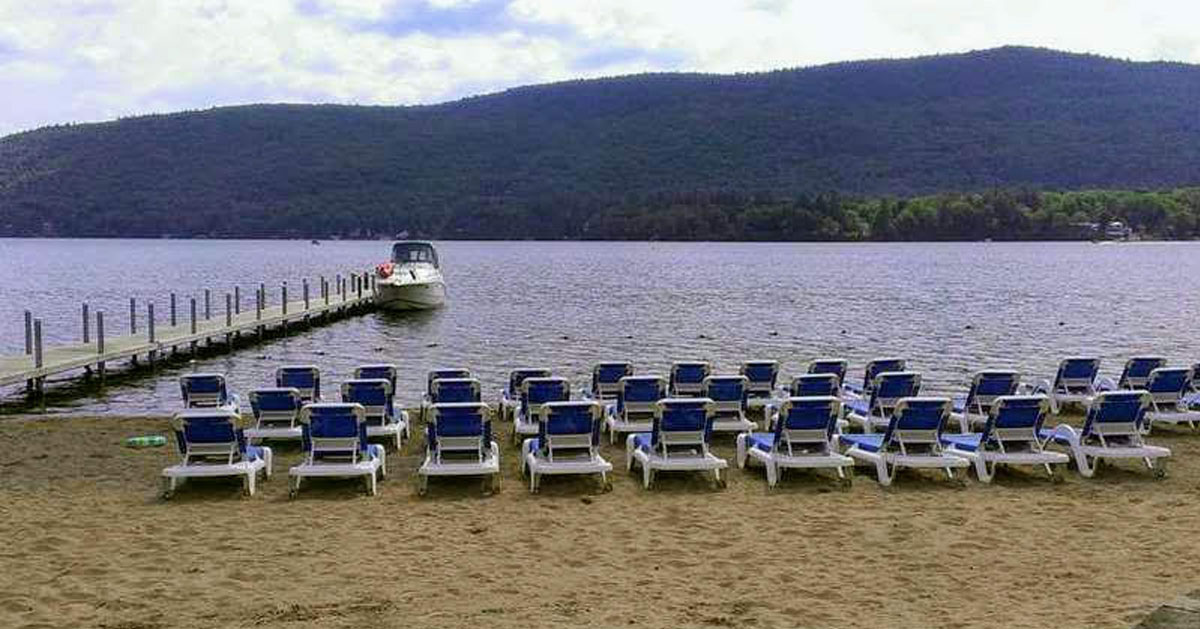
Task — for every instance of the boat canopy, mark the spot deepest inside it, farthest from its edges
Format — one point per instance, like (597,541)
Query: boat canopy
(408,252)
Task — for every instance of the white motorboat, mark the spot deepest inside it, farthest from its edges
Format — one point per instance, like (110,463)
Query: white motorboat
(413,278)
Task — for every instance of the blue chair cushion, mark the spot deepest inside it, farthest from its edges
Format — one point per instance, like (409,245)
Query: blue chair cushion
(968,442)
(253,453)
(643,441)
(858,406)
(958,403)
(870,443)
(764,441)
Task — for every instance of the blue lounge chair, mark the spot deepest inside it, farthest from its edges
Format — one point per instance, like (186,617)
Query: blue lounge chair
(1134,375)
(815,385)
(606,379)
(803,436)
(335,445)
(912,439)
(378,400)
(634,409)
(1074,383)
(1166,388)
(438,374)
(729,397)
(510,395)
(889,387)
(761,377)
(975,407)
(678,441)
(1112,430)
(375,372)
(534,393)
(687,377)
(568,442)
(212,443)
(208,390)
(304,378)
(871,373)
(458,442)
(1010,436)
(836,366)
(276,414)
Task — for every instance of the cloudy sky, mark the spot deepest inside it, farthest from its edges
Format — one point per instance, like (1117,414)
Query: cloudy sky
(86,60)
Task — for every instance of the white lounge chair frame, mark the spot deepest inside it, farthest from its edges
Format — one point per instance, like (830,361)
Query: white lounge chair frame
(677,450)
(267,422)
(634,416)
(469,455)
(581,456)
(929,455)
(1013,446)
(799,449)
(350,462)
(198,458)
(1097,447)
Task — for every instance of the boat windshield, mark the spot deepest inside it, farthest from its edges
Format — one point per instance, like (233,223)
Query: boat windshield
(409,252)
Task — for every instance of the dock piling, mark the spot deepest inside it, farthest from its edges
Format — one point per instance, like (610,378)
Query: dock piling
(173,321)
(283,299)
(37,343)
(237,300)
(132,316)
(100,343)
(150,322)
(86,324)
(207,304)
(228,310)
(28,332)
(193,315)
(305,281)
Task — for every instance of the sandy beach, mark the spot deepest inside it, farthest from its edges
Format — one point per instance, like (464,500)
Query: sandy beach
(88,543)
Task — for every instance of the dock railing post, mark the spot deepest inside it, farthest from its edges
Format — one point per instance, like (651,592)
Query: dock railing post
(87,324)
(174,322)
(100,343)
(207,304)
(132,316)
(37,343)
(150,321)
(262,290)
(237,300)
(228,310)
(305,293)
(193,315)
(258,306)
(28,332)
(283,297)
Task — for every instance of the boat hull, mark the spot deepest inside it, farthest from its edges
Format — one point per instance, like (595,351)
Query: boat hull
(410,296)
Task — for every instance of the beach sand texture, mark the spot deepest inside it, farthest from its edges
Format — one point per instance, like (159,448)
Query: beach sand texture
(88,543)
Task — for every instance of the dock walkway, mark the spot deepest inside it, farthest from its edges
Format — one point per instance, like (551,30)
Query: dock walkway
(351,295)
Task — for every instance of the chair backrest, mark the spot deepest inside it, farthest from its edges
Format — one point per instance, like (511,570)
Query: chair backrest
(334,428)
(989,384)
(447,390)
(917,420)
(572,424)
(537,391)
(1076,375)
(836,366)
(606,378)
(687,377)
(203,390)
(1116,413)
(815,384)
(375,396)
(1137,371)
(879,366)
(1167,385)
(444,373)
(683,421)
(728,393)
(890,386)
(640,394)
(761,376)
(1016,418)
(304,378)
(459,426)
(807,420)
(209,433)
(276,404)
(517,376)
(375,372)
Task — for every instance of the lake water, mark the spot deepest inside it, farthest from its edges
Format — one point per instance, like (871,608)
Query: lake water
(950,308)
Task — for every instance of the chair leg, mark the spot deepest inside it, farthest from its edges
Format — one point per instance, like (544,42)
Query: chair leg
(269,459)
(882,473)
(981,470)
(772,474)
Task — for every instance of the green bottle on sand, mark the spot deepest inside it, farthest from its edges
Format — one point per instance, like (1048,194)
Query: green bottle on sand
(146,441)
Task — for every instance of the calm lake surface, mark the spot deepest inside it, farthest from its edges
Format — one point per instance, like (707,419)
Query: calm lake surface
(951,309)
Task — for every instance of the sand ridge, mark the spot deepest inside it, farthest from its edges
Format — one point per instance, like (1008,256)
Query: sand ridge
(89,544)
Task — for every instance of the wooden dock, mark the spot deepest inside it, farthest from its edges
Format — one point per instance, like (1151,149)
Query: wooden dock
(199,325)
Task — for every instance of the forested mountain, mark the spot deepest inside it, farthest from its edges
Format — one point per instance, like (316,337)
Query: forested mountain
(792,154)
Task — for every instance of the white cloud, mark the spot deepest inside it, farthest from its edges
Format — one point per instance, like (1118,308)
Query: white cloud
(66,61)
